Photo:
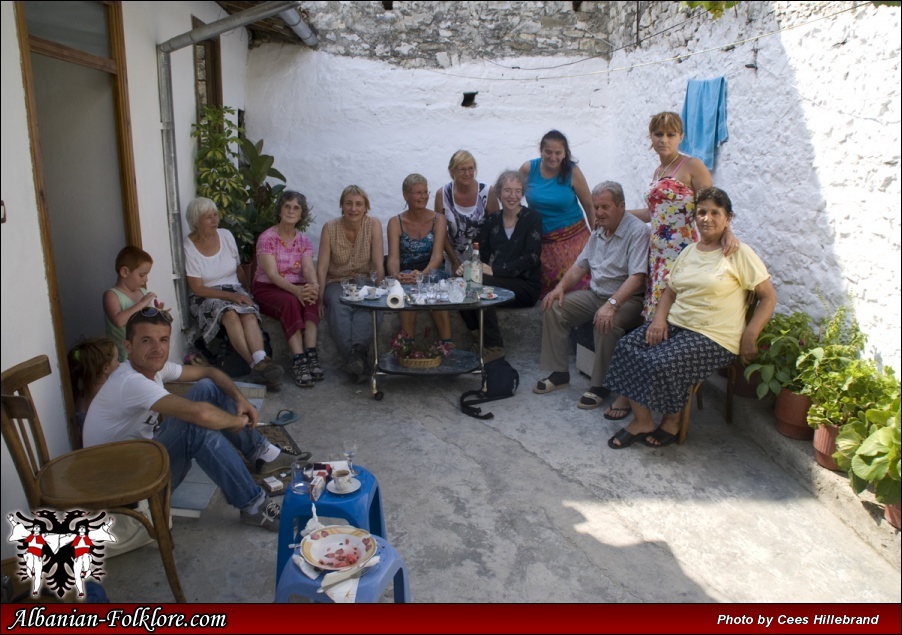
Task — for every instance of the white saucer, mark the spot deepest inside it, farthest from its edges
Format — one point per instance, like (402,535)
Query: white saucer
(355,485)
(488,297)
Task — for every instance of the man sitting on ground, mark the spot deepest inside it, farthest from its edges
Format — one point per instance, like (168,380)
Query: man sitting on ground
(617,257)
(207,424)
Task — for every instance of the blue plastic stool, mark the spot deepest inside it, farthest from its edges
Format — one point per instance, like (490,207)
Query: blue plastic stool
(371,586)
(362,509)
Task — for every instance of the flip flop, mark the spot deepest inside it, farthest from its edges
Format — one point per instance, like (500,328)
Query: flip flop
(545,386)
(662,436)
(609,414)
(626,439)
(284,417)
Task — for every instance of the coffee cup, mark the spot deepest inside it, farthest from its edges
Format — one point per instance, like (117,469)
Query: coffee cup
(488,292)
(371,293)
(342,480)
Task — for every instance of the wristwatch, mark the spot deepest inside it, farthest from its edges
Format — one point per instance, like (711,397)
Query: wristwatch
(613,302)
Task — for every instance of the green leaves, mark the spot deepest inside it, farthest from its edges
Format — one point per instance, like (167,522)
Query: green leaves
(232,171)
(780,343)
(868,448)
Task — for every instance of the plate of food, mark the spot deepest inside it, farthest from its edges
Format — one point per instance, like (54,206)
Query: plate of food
(337,547)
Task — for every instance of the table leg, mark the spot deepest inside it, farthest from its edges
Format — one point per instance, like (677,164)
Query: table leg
(481,361)
(377,394)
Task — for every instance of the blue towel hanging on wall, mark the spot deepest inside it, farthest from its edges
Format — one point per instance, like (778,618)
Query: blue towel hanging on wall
(704,118)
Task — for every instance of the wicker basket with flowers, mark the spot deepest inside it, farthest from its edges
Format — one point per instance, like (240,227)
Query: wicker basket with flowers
(423,353)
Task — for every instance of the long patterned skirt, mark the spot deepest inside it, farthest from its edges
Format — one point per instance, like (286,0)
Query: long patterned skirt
(559,251)
(208,311)
(659,377)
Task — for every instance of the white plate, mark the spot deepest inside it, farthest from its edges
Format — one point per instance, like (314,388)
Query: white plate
(337,547)
(355,485)
(489,297)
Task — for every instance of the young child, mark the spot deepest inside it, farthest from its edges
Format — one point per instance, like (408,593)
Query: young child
(129,295)
(91,361)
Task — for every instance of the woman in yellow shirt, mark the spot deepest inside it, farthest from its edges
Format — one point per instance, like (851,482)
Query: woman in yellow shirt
(699,326)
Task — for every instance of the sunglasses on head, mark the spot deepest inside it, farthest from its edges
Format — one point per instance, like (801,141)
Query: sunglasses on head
(152,311)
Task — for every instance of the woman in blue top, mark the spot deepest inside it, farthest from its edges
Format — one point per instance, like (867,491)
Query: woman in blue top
(416,240)
(556,188)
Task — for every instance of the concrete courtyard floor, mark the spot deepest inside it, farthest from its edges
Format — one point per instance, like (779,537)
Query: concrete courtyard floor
(532,506)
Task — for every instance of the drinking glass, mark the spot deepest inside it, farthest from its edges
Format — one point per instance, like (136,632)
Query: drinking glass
(350,449)
(420,278)
(431,292)
(374,275)
(457,291)
(301,476)
(345,282)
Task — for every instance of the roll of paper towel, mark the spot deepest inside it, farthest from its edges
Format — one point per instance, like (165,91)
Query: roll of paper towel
(395,297)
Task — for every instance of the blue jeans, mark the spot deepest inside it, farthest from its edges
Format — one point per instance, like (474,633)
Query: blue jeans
(214,450)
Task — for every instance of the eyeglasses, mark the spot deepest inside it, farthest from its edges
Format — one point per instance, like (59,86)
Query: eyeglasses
(507,191)
(152,311)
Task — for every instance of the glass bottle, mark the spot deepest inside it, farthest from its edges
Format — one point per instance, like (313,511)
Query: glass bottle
(467,262)
(476,267)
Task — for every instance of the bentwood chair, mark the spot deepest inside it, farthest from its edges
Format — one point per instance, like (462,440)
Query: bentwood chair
(112,477)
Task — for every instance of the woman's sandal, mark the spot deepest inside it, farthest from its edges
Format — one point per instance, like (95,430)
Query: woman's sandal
(662,436)
(616,414)
(625,438)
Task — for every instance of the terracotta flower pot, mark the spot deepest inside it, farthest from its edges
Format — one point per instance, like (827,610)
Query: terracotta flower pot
(825,446)
(791,411)
(891,513)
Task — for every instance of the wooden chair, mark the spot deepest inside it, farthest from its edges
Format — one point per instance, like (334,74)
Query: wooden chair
(751,305)
(110,477)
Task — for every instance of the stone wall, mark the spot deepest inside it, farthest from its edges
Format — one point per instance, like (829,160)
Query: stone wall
(813,107)
(445,34)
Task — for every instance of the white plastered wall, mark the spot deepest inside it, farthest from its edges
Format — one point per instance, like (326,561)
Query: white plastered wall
(812,162)
(27,328)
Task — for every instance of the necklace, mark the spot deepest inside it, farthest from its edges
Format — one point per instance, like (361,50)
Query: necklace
(661,172)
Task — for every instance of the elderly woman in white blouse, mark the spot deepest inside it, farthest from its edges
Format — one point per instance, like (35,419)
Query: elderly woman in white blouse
(218,297)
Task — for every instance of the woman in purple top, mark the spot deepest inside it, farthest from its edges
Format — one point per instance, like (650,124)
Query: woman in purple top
(286,287)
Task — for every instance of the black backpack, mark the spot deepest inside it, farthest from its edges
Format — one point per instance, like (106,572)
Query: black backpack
(501,382)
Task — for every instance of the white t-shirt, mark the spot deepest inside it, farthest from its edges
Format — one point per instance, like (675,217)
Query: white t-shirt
(121,410)
(219,269)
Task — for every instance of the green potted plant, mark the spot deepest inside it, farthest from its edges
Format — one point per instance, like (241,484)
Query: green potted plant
(233,171)
(781,342)
(868,449)
(835,379)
